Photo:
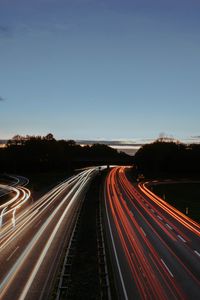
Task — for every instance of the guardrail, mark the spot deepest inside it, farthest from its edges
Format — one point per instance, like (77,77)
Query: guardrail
(65,277)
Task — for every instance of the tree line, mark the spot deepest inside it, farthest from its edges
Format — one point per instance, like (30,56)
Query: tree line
(168,157)
(45,153)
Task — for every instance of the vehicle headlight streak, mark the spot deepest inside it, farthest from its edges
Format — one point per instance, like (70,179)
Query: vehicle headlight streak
(76,185)
(11,206)
(26,195)
(26,218)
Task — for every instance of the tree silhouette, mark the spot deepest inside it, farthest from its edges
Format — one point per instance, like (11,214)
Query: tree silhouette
(45,153)
(173,157)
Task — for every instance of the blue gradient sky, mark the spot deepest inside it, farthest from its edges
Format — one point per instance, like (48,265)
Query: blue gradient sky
(105,69)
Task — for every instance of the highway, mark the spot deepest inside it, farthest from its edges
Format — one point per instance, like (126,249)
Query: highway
(155,249)
(13,181)
(14,198)
(30,251)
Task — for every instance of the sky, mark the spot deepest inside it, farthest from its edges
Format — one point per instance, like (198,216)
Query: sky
(100,69)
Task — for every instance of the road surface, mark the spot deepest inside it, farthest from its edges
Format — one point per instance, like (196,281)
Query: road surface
(155,248)
(30,252)
(14,197)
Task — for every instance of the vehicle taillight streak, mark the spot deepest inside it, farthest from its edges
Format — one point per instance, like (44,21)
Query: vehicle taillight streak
(156,256)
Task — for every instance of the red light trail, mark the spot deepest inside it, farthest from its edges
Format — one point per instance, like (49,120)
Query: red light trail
(156,245)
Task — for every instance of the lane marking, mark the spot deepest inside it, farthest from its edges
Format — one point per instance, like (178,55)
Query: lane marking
(114,249)
(42,256)
(9,257)
(197,253)
(167,267)
(143,231)
(181,238)
(169,226)
(51,195)
(17,265)
(160,218)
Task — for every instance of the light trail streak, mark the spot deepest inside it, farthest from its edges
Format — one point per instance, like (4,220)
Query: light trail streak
(50,240)
(138,266)
(18,200)
(116,256)
(42,202)
(37,210)
(11,255)
(1,216)
(150,250)
(13,218)
(60,203)
(176,214)
(11,189)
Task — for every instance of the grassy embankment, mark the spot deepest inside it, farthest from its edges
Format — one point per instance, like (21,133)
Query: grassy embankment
(182,195)
(40,183)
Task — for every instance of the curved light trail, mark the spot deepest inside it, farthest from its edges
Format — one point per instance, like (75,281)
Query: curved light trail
(10,207)
(34,247)
(175,213)
(157,249)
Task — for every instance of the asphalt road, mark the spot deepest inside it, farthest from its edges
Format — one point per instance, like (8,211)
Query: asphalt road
(155,248)
(13,181)
(30,251)
(13,198)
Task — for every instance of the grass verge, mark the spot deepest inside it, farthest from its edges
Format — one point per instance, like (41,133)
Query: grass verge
(181,196)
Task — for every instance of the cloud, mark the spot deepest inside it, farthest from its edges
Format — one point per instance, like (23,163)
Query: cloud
(1,99)
(195,137)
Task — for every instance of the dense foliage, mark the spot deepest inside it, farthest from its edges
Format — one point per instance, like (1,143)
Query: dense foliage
(37,153)
(171,157)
